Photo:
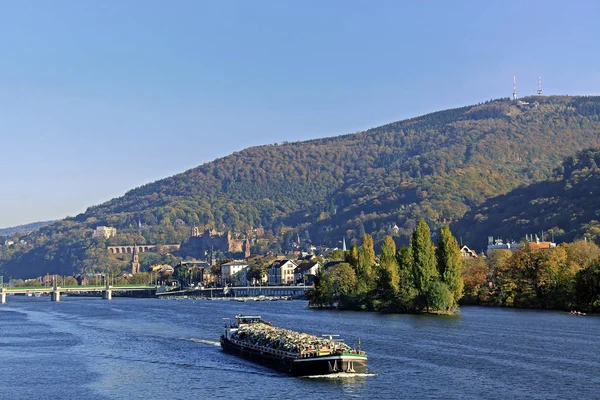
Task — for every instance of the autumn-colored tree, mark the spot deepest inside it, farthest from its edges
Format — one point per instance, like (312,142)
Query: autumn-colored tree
(368,251)
(475,280)
(498,266)
(582,253)
(555,278)
(364,271)
(70,281)
(352,256)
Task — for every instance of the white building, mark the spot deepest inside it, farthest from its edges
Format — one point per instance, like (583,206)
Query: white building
(105,232)
(235,273)
(466,252)
(281,272)
(498,244)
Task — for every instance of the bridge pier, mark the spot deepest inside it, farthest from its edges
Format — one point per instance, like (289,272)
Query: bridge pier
(55,295)
(107,294)
(2,296)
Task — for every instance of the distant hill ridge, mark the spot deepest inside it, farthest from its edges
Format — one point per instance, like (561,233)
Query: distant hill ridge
(435,166)
(380,181)
(25,228)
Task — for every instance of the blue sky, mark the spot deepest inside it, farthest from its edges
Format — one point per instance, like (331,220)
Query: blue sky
(99,97)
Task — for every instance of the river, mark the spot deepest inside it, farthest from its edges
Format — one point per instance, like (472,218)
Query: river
(87,348)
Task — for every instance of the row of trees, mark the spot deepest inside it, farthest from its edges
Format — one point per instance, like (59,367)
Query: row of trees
(416,278)
(565,277)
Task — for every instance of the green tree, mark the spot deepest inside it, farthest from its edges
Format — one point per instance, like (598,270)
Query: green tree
(342,282)
(424,271)
(588,288)
(321,293)
(450,263)
(406,281)
(256,273)
(440,297)
(361,229)
(386,289)
(517,283)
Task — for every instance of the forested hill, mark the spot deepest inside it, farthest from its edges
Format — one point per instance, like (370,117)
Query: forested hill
(379,181)
(566,206)
(436,166)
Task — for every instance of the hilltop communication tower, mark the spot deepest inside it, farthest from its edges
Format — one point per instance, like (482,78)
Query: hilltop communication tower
(540,91)
(514,88)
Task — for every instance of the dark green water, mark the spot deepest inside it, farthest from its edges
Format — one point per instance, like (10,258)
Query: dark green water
(166,349)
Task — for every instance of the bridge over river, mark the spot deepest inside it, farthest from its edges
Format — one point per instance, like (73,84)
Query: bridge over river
(107,290)
(241,291)
(56,291)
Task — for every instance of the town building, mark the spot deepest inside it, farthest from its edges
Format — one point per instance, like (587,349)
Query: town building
(541,245)
(235,273)
(306,272)
(105,232)
(537,244)
(498,244)
(281,272)
(466,252)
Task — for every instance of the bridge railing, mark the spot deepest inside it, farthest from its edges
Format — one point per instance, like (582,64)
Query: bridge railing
(78,287)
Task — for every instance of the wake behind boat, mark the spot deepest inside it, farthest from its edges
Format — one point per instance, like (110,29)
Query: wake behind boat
(298,354)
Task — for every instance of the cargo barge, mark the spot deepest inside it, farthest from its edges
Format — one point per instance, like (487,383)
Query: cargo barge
(295,353)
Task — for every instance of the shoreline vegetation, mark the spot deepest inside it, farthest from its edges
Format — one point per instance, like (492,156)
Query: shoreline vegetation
(412,279)
(423,279)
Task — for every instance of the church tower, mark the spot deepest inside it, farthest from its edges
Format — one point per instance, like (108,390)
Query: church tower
(135,262)
(246,248)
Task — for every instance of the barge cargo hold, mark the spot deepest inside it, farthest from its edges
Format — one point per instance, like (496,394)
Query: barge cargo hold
(297,354)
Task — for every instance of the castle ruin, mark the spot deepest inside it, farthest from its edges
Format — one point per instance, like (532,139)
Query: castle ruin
(212,240)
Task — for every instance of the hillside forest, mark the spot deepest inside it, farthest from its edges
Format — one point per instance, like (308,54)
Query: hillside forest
(438,167)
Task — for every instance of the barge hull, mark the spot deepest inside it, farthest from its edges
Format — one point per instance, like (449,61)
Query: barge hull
(299,366)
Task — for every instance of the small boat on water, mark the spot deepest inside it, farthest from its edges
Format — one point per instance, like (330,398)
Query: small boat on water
(298,354)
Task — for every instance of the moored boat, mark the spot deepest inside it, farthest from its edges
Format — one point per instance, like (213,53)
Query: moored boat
(296,353)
